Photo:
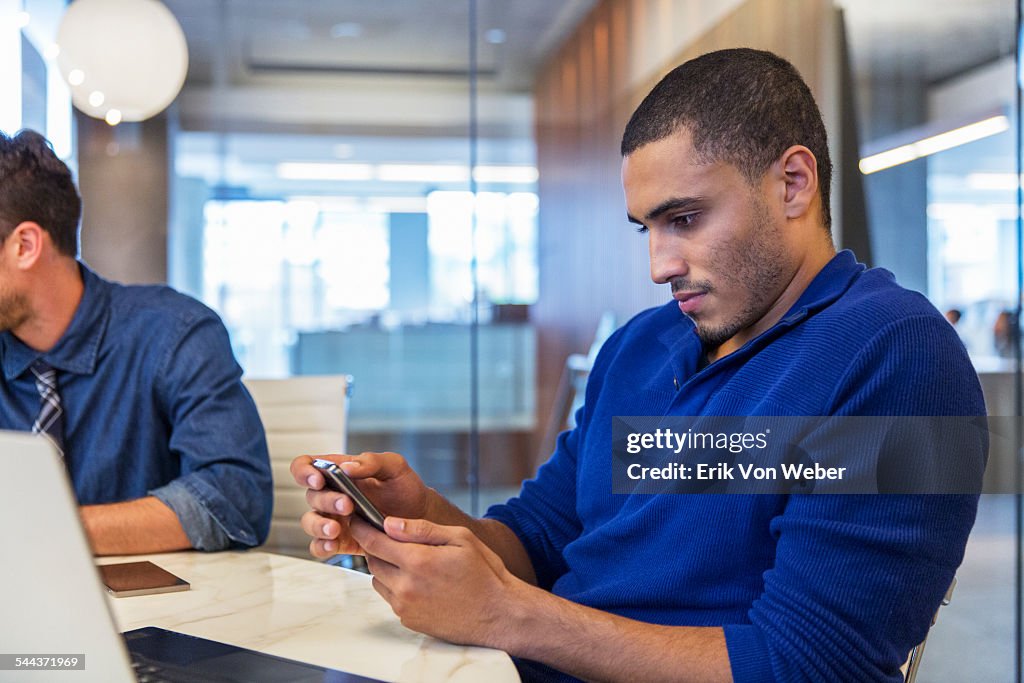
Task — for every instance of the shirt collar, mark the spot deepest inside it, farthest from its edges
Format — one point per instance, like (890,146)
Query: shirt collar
(78,348)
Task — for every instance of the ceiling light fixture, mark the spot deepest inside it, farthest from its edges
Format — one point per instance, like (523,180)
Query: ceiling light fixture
(962,135)
(505,174)
(302,170)
(405,173)
(134,52)
(422,173)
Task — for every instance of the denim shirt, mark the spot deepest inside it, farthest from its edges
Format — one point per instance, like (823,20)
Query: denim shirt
(153,405)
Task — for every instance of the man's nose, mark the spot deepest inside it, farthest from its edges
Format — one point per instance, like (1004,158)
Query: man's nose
(667,260)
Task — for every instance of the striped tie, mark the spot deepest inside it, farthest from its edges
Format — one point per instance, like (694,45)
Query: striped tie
(50,422)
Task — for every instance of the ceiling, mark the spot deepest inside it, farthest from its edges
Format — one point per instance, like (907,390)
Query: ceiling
(242,41)
(381,77)
(932,39)
(316,47)
(382,81)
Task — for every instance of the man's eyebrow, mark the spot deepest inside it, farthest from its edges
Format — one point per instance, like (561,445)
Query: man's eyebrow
(671,205)
(664,207)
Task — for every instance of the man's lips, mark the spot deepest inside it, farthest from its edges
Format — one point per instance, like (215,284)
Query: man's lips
(689,302)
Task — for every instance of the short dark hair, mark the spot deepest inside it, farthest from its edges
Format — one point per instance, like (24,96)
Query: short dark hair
(37,186)
(741,106)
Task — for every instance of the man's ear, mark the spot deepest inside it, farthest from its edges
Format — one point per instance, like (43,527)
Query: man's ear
(800,169)
(25,245)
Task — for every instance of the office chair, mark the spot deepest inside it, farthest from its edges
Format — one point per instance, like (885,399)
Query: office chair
(301,415)
(914,659)
(572,386)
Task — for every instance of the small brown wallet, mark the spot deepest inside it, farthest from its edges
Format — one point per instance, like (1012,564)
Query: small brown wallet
(139,578)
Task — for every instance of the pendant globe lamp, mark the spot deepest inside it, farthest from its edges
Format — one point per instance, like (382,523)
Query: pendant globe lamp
(124,60)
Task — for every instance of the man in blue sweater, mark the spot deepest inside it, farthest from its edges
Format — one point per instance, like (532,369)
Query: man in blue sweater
(726,168)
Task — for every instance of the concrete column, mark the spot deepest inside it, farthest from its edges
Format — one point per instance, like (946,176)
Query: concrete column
(123,174)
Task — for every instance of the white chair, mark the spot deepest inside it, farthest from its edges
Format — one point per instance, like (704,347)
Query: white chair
(572,387)
(302,416)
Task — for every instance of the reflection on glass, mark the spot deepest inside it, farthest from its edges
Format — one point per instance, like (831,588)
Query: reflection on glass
(972,244)
(323,265)
(506,245)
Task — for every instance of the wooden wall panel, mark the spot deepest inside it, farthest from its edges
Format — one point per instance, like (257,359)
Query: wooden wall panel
(591,259)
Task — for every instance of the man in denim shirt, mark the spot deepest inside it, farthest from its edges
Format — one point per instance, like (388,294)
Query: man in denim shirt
(136,386)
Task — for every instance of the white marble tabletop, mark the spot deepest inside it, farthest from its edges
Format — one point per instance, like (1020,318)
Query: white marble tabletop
(302,610)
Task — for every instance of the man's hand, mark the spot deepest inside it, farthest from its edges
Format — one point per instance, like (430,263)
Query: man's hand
(442,580)
(385,478)
(446,582)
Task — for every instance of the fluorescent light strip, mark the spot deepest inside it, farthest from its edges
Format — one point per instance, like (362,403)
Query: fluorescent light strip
(505,174)
(298,170)
(374,204)
(422,173)
(405,173)
(935,143)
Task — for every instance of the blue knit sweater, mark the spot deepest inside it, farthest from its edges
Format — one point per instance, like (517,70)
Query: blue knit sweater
(807,587)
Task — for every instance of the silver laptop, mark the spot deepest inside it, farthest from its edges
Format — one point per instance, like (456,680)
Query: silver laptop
(54,606)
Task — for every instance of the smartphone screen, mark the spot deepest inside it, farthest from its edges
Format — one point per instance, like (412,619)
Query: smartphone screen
(338,481)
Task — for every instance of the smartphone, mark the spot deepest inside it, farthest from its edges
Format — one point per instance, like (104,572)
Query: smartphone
(339,481)
(139,578)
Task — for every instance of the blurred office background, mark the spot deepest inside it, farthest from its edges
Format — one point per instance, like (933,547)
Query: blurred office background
(424,194)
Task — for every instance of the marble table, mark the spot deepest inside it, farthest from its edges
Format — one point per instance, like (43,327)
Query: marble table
(302,610)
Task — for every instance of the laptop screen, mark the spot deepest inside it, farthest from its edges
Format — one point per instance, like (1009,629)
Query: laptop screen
(215,661)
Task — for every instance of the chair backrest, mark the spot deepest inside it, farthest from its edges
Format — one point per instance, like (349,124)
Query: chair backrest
(301,415)
(913,662)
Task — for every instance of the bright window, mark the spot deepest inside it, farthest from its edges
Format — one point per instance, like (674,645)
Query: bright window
(275,268)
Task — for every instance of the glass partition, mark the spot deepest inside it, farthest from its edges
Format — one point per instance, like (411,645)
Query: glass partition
(32,91)
(944,219)
(350,178)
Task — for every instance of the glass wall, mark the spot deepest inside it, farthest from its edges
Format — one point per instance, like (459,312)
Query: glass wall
(355,192)
(32,92)
(938,96)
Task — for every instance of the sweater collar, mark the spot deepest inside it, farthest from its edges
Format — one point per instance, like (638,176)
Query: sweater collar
(827,286)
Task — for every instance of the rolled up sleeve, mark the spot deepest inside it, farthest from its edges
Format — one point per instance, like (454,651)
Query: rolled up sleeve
(224,495)
(201,527)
